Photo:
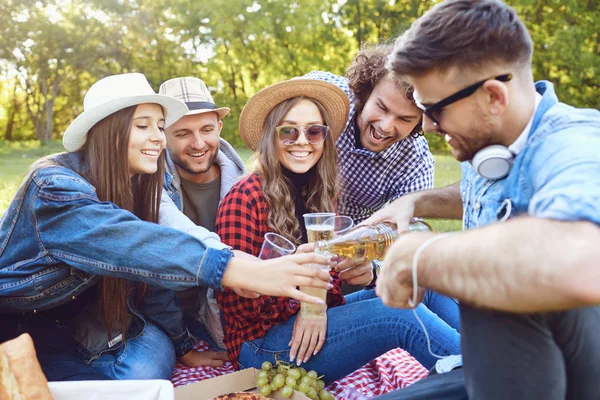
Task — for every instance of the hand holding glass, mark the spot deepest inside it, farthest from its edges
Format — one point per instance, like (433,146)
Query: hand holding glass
(319,226)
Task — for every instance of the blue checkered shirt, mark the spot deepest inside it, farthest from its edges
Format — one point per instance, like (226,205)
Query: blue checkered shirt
(370,180)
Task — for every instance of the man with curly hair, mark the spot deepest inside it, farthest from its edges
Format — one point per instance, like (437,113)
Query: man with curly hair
(382,153)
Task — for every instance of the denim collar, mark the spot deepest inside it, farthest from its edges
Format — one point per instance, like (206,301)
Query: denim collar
(549,100)
(73,161)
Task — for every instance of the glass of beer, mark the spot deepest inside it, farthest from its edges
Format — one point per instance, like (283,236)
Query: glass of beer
(275,246)
(341,224)
(319,226)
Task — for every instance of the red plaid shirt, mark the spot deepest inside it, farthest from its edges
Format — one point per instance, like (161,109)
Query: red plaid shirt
(242,224)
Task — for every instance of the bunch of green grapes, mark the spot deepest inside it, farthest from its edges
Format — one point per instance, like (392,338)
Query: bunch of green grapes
(287,378)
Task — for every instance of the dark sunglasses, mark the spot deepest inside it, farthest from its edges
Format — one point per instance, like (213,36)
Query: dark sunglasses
(434,112)
(289,134)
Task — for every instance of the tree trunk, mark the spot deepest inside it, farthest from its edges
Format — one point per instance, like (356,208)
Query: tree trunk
(40,133)
(49,106)
(232,73)
(359,32)
(14,107)
(36,118)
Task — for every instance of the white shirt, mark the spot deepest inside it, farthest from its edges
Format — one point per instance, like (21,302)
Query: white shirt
(519,144)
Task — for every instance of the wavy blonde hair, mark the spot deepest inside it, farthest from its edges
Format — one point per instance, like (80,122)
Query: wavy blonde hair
(322,186)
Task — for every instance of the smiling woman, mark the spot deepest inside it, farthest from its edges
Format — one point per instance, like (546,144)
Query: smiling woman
(301,136)
(294,125)
(85,268)
(146,139)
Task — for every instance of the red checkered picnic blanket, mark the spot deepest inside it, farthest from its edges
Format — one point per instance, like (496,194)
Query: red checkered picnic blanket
(393,370)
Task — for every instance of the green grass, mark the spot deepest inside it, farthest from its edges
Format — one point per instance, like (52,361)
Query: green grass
(447,172)
(16,157)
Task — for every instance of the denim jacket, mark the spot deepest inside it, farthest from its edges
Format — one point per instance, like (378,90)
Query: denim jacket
(555,176)
(57,239)
(171,204)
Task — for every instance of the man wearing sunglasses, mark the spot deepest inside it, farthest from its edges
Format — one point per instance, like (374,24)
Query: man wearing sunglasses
(526,271)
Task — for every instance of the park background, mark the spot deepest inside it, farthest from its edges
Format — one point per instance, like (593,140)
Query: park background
(52,51)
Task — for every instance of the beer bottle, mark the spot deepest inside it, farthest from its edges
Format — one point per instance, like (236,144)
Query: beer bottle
(368,242)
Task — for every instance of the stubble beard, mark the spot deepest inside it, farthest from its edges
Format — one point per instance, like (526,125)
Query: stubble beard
(481,133)
(195,169)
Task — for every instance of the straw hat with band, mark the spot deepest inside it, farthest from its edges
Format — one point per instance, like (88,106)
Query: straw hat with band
(115,93)
(194,93)
(256,110)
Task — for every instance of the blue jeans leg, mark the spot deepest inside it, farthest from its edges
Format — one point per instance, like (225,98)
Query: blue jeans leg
(357,333)
(199,331)
(149,356)
(444,307)
(56,350)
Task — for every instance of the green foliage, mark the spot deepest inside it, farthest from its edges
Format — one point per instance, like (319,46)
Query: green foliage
(52,50)
(437,143)
(566,47)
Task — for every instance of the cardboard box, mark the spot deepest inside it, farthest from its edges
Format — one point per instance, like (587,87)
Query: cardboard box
(111,390)
(240,381)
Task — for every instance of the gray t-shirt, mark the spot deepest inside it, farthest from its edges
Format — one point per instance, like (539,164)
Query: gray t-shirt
(200,204)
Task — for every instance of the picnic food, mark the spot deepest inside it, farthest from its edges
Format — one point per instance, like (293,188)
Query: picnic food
(21,376)
(287,378)
(9,388)
(240,396)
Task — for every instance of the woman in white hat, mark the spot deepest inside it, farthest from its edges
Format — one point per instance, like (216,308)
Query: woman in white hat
(85,269)
(294,125)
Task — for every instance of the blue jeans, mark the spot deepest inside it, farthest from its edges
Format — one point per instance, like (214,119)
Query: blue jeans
(363,329)
(199,331)
(149,356)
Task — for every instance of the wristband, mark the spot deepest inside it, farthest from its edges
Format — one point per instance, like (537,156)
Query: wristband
(413,302)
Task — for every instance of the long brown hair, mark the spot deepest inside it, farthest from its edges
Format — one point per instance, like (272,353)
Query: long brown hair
(322,187)
(105,153)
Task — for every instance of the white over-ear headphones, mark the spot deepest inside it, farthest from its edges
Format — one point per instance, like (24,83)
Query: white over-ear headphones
(493,162)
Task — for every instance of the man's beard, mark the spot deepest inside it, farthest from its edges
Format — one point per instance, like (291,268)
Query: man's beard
(481,133)
(192,168)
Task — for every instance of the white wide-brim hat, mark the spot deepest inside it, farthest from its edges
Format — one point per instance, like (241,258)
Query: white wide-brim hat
(255,112)
(112,94)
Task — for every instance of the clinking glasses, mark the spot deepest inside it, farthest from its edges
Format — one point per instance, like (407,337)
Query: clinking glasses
(434,112)
(289,134)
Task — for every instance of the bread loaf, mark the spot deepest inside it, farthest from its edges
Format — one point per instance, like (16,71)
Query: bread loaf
(21,376)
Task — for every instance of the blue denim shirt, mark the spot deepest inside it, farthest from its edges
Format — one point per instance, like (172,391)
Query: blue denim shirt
(555,176)
(57,239)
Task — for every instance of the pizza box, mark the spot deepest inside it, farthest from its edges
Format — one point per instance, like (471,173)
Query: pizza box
(240,381)
(109,390)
